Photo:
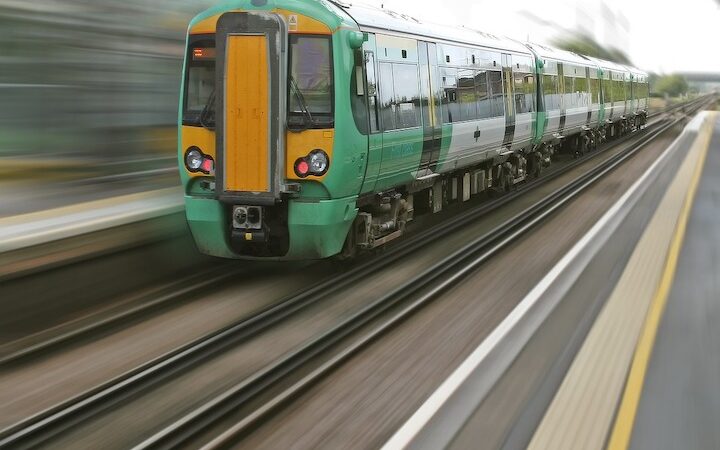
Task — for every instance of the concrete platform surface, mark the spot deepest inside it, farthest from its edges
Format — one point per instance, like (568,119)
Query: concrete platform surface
(611,397)
(679,404)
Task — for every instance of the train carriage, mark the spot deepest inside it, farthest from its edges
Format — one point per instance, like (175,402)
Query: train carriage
(571,97)
(310,128)
(620,98)
(570,91)
(463,96)
(639,89)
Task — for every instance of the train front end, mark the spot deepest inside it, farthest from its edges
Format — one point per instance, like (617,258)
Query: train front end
(262,110)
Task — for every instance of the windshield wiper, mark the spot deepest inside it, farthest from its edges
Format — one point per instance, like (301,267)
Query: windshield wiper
(207,115)
(301,100)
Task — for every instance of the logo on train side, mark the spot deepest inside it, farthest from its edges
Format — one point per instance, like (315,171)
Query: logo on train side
(293,22)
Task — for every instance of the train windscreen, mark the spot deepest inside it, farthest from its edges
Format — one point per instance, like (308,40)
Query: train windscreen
(310,82)
(200,84)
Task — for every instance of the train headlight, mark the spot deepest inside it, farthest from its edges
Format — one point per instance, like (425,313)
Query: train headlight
(193,159)
(196,161)
(318,162)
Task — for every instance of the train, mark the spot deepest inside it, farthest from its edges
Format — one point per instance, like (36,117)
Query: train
(311,129)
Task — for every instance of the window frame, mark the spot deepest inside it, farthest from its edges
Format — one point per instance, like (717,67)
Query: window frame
(193,41)
(523,92)
(331,115)
(384,87)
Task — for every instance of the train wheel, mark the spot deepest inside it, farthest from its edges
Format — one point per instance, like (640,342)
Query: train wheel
(508,179)
(535,163)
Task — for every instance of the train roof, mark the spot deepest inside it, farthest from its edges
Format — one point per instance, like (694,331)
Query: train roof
(610,65)
(371,18)
(548,52)
(636,71)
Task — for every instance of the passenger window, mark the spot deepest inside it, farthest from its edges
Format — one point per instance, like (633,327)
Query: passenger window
(607,88)
(618,93)
(466,95)
(626,89)
(570,100)
(581,85)
(451,111)
(496,93)
(483,95)
(524,92)
(386,97)
(399,96)
(594,90)
(550,91)
(407,95)
(581,89)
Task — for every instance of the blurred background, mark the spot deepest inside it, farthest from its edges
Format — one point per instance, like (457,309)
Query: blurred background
(668,39)
(89,88)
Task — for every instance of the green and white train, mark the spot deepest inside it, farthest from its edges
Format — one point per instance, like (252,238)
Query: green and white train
(311,128)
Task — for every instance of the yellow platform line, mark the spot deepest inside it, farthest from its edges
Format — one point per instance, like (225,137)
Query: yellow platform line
(40,227)
(89,206)
(625,419)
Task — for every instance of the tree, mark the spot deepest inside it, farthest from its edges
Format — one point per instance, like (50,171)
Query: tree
(672,85)
(586,45)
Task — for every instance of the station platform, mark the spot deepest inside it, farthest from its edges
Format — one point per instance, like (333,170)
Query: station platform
(647,375)
(39,240)
(679,397)
(618,346)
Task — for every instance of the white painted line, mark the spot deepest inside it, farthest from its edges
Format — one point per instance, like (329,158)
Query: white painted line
(413,426)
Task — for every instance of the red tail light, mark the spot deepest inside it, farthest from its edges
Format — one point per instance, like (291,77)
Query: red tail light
(302,168)
(207,165)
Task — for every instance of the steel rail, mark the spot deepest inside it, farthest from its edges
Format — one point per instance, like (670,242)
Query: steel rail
(46,424)
(426,287)
(162,296)
(187,289)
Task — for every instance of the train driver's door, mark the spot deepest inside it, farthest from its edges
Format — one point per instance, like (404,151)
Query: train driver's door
(375,139)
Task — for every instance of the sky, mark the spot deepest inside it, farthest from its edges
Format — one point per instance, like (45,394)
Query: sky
(658,35)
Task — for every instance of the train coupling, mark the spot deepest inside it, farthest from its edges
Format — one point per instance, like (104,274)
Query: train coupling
(247,217)
(247,224)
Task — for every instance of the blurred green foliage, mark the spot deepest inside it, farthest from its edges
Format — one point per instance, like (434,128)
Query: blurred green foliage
(660,85)
(90,77)
(671,85)
(586,45)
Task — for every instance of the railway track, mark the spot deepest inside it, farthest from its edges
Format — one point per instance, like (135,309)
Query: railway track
(402,301)
(170,293)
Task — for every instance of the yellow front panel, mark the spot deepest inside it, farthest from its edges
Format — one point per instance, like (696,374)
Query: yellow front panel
(300,144)
(199,137)
(246,114)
